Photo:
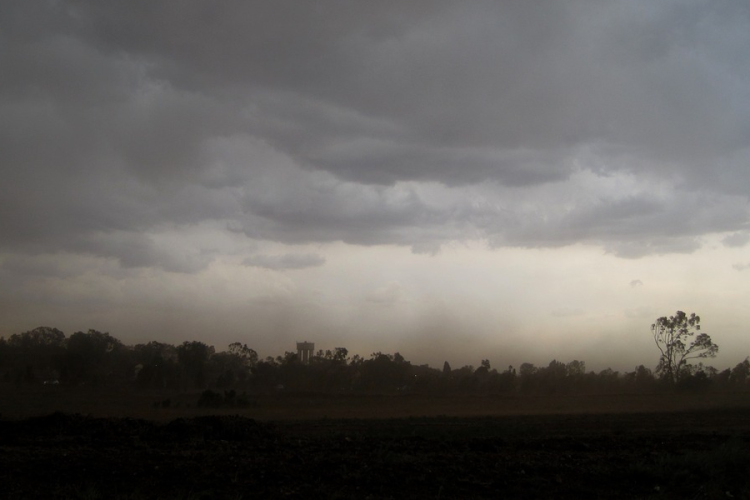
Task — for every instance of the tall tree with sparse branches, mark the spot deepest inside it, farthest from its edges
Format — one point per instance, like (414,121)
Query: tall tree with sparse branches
(672,336)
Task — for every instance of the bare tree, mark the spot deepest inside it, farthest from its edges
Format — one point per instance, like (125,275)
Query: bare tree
(672,336)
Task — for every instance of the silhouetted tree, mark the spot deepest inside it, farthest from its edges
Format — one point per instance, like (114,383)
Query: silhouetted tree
(465,380)
(192,357)
(156,366)
(427,380)
(740,374)
(35,355)
(383,373)
(696,379)
(507,380)
(340,354)
(554,378)
(4,360)
(722,378)
(575,368)
(446,368)
(331,372)
(671,335)
(266,375)
(232,367)
(643,379)
(95,357)
(248,356)
(527,374)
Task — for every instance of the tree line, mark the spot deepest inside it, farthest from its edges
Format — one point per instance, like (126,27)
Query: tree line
(46,356)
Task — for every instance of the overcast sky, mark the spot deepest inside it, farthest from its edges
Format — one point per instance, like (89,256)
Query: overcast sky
(512,181)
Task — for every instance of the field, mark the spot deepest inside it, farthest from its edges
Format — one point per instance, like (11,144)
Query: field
(133,446)
(164,406)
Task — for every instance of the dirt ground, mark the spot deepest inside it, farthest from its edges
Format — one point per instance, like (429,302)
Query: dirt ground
(165,406)
(703,453)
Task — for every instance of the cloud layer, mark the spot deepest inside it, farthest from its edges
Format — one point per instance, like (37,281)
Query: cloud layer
(122,123)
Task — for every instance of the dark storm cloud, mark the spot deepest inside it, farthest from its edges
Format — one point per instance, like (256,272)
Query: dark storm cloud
(303,209)
(20,265)
(305,121)
(633,226)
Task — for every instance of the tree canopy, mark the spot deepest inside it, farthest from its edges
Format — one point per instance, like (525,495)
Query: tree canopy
(45,356)
(672,336)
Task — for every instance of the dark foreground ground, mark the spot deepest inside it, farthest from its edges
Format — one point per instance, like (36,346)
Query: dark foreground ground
(688,454)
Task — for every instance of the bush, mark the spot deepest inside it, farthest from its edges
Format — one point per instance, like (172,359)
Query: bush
(230,399)
(210,399)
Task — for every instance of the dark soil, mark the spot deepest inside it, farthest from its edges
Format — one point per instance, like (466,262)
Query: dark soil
(703,454)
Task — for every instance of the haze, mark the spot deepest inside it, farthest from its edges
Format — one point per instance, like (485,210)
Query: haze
(513,181)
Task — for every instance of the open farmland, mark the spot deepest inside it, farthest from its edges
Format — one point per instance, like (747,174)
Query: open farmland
(41,400)
(308,446)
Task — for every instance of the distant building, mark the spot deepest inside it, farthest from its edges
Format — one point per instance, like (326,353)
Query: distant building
(305,351)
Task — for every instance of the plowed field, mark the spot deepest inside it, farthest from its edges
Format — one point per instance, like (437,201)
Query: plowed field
(685,454)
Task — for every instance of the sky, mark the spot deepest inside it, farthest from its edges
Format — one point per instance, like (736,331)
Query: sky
(512,181)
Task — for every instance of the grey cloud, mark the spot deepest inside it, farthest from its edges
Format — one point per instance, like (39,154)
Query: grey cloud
(285,261)
(312,208)
(384,162)
(317,207)
(135,250)
(489,74)
(738,239)
(567,84)
(636,283)
(655,246)
(45,266)
(741,266)
(631,227)
(313,121)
